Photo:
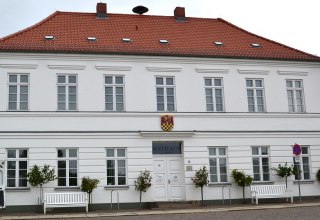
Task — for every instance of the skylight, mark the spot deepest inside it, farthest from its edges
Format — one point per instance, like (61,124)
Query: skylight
(126,39)
(218,43)
(255,45)
(164,41)
(49,37)
(91,38)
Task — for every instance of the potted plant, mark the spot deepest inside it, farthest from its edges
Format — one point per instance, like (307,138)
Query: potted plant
(201,179)
(143,182)
(39,176)
(284,172)
(88,185)
(242,180)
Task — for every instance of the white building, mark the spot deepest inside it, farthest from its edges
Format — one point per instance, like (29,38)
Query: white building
(85,92)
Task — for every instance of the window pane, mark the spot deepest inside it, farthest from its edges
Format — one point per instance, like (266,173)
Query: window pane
(297,84)
(258,83)
(61,79)
(24,78)
(11,154)
(108,80)
(255,151)
(110,152)
(62,153)
(121,152)
(119,80)
(305,150)
(217,82)
(249,83)
(23,153)
(264,150)
(72,90)
(222,151)
(13,89)
(72,79)
(169,81)
(119,90)
(289,84)
(159,81)
(73,153)
(207,82)
(13,78)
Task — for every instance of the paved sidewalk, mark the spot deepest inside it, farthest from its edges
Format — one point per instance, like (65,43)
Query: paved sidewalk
(106,213)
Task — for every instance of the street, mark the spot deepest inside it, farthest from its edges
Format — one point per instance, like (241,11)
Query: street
(299,213)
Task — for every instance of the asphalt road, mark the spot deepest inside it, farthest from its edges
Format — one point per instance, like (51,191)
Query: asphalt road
(297,213)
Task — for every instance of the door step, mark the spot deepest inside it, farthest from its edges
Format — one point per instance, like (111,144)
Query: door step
(176,205)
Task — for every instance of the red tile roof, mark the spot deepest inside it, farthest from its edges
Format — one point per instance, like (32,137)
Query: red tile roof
(194,37)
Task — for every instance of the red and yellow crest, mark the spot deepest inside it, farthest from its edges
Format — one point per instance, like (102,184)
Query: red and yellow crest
(167,122)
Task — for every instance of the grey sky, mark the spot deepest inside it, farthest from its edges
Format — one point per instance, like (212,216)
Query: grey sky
(291,22)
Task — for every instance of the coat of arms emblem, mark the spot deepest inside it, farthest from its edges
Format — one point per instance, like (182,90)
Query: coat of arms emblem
(167,122)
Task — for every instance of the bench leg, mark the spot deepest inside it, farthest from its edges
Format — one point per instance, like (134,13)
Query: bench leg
(256,200)
(87,208)
(44,209)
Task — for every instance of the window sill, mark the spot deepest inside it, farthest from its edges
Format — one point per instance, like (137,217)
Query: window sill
(263,183)
(219,184)
(116,187)
(22,189)
(304,181)
(76,188)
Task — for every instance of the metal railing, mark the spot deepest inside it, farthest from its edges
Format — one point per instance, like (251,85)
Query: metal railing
(117,197)
(229,189)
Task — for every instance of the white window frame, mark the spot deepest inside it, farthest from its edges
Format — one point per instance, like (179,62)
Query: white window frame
(254,89)
(302,164)
(66,84)
(294,98)
(67,159)
(260,156)
(18,85)
(17,159)
(114,86)
(116,158)
(213,95)
(165,88)
(218,157)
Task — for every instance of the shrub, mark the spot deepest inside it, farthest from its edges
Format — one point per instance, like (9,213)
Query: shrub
(242,180)
(88,185)
(201,179)
(143,182)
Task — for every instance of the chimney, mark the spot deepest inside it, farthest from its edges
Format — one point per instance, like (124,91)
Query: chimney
(101,10)
(179,14)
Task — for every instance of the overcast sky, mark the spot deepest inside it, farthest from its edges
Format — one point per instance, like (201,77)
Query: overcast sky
(295,23)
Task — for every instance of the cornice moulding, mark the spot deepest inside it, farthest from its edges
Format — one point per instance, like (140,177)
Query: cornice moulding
(66,67)
(254,71)
(211,70)
(113,68)
(163,69)
(293,72)
(19,66)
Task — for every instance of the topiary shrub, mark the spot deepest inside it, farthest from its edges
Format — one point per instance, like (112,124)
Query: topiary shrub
(201,179)
(88,185)
(143,182)
(242,180)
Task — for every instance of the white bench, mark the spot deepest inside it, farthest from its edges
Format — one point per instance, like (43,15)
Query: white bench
(69,199)
(270,191)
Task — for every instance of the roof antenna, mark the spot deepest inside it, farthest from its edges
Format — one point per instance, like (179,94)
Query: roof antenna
(140,9)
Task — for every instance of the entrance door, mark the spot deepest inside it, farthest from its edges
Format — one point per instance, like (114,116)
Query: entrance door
(168,178)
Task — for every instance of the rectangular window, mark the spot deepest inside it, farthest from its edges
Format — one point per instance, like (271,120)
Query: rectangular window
(67,92)
(295,95)
(304,164)
(255,94)
(17,167)
(214,94)
(18,92)
(116,166)
(260,161)
(218,164)
(114,93)
(165,94)
(68,167)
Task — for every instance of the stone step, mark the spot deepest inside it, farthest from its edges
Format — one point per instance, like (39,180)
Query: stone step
(176,205)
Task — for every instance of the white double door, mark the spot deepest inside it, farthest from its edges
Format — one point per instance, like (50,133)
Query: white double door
(168,178)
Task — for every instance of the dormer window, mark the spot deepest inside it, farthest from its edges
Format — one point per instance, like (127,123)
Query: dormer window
(49,37)
(92,39)
(218,43)
(163,41)
(255,45)
(127,40)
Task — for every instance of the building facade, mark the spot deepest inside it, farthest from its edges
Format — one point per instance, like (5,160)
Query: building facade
(89,110)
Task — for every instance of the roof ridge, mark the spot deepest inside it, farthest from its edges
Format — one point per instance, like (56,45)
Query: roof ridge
(267,39)
(31,27)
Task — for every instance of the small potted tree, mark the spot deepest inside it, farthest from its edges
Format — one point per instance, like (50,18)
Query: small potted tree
(143,182)
(242,180)
(39,176)
(201,179)
(88,185)
(284,172)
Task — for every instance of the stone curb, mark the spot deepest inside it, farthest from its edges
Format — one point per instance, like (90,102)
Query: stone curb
(156,212)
